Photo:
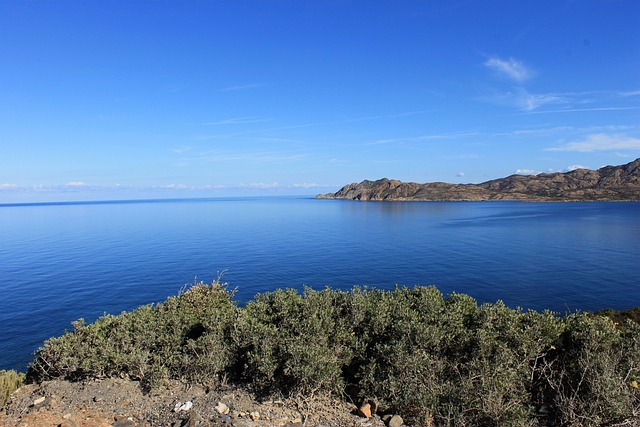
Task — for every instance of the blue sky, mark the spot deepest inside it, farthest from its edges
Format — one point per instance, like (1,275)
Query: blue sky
(129,99)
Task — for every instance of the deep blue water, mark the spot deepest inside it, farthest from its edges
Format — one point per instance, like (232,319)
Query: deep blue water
(60,262)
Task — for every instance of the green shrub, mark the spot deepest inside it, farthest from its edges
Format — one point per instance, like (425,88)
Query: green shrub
(185,337)
(454,363)
(593,377)
(435,360)
(296,343)
(10,381)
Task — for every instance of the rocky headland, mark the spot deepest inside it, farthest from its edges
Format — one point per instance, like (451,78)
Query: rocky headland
(610,183)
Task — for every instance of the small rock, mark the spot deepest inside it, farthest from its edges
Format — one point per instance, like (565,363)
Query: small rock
(39,401)
(222,408)
(255,415)
(67,416)
(68,423)
(124,423)
(183,407)
(395,421)
(365,410)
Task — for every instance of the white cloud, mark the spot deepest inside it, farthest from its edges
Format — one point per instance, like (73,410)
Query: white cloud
(630,93)
(175,187)
(460,174)
(236,121)
(525,101)
(433,137)
(575,167)
(600,142)
(530,101)
(8,186)
(582,110)
(260,185)
(511,68)
(75,184)
(526,172)
(240,87)
(181,150)
(308,185)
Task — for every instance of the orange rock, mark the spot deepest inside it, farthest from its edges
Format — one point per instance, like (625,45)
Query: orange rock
(365,411)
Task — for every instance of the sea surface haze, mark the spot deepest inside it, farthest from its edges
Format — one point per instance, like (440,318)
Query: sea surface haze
(60,262)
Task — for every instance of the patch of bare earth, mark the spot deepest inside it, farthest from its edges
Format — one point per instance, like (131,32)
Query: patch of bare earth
(123,403)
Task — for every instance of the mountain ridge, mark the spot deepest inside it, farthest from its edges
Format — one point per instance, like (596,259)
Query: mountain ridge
(609,183)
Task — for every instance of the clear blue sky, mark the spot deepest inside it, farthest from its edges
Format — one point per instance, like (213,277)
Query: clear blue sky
(128,99)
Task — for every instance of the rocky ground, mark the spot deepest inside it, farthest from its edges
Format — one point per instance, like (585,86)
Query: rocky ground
(123,403)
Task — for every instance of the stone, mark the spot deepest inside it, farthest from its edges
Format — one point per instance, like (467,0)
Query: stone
(183,407)
(395,421)
(365,410)
(255,415)
(221,408)
(39,401)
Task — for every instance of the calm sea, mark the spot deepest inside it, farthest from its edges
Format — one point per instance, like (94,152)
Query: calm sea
(61,262)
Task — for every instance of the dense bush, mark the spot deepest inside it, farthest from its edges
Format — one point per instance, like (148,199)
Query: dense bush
(187,337)
(289,343)
(435,360)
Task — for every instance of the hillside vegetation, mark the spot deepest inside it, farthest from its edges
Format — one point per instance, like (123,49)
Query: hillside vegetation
(433,359)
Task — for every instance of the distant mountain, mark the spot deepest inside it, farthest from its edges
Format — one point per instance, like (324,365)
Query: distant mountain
(610,183)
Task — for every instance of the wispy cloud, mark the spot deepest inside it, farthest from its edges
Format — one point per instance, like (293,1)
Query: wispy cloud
(309,185)
(75,184)
(523,100)
(566,102)
(247,156)
(181,150)
(564,130)
(510,68)
(260,185)
(600,142)
(580,110)
(241,87)
(629,93)
(236,121)
(387,116)
(174,187)
(434,137)
(254,131)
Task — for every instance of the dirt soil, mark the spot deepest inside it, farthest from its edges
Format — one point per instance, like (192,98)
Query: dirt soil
(123,403)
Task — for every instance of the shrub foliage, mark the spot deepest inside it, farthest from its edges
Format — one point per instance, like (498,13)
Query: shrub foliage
(436,360)
(10,381)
